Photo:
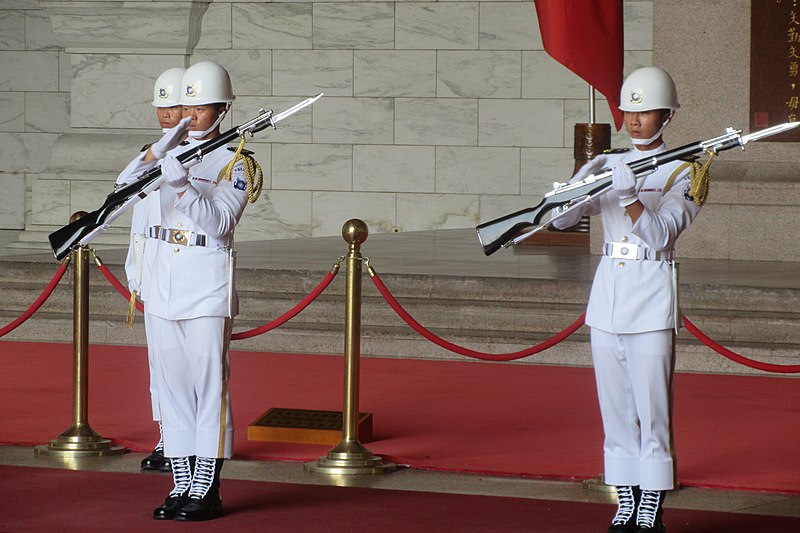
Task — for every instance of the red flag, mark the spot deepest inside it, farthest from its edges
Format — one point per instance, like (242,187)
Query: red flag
(586,37)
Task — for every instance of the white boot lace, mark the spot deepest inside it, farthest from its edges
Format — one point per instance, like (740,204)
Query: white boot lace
(181,475)
(648,507)
(203,477)
(626,505)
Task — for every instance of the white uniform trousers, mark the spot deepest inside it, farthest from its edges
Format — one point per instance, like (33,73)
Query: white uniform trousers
(192,371)
(634,386)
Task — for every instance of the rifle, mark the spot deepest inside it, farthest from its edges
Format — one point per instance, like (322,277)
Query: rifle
(83,230)
(501,232)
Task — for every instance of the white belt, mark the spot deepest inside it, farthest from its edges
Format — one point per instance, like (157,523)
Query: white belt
(634,252)
(177,236)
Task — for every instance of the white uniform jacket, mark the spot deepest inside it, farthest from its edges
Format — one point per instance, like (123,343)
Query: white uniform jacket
(636,296)
(180,281)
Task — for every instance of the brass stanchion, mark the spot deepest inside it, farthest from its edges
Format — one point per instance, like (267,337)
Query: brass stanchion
(80,440)
(350,456)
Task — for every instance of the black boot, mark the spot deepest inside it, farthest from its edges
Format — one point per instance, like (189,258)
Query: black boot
(650,511)
(625,519)
(204,502)
(155,460)
(182,476)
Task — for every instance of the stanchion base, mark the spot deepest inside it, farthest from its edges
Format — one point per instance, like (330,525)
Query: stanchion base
(79,447)
(336,463)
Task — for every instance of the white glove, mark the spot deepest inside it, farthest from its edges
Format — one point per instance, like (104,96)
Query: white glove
(133,285)
(172,138)
(592,167)
(176,174)
(623,181)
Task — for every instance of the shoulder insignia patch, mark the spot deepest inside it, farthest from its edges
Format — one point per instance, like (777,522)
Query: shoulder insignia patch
(687,190)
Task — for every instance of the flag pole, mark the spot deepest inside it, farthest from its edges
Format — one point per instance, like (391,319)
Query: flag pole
(591,105)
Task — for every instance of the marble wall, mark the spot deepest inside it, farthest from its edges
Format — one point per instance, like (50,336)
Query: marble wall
(436,114)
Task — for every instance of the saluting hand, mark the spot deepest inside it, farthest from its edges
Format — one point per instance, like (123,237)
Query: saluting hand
(172,138)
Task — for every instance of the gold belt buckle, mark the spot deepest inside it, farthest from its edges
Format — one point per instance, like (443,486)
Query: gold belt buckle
(177,236)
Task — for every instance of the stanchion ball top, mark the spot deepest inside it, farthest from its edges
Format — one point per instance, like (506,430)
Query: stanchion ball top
(77,215)
(355,231)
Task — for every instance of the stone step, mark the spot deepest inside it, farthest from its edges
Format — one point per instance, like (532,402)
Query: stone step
(494,315)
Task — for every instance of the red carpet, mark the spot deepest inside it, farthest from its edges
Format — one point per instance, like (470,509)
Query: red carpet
(45,499)
(731,431)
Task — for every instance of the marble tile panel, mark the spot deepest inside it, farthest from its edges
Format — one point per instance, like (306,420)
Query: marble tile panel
(65,72)
(311,72)
(332,209)
(272,26)
(12,30)
(12,112)
(509,26)
(429,121)
(360,25)
(25,152)
(494,206)
(477,170)
(520,122)
(28,71)
(250,70)
(437,26)
(50,201)
(294,129)
(541,167)
(276,215)
(19,4)
(394,73)
(394,168)
(39,32)
(354,120)
(216,29)
(638,25)
(312,167)
(12,201)
(544,77)
(418,212)
(98,81)
(47,112)
(478,74)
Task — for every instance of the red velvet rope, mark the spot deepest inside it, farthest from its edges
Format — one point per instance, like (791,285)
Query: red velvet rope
(119,286)
(768,367)
(11,326)
(291,313)
(394,304)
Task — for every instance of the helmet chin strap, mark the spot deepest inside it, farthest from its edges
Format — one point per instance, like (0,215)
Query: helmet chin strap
(201,134)
(644,142)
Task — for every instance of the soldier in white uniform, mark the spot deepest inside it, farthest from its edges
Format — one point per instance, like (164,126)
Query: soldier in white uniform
(632,309)
(169,113)
(190,299)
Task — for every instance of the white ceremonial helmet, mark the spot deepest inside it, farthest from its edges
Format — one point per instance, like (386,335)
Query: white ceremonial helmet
(648,88)
(204,83)
(167,88)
